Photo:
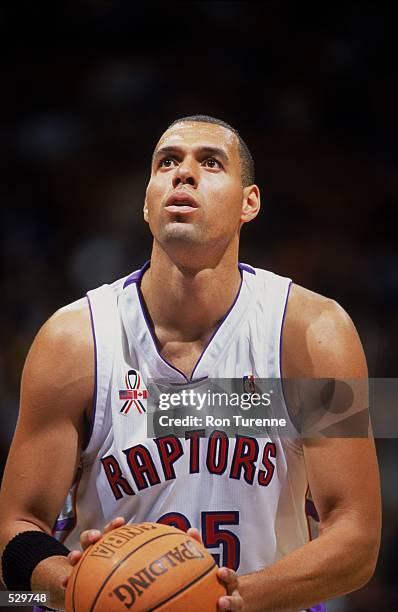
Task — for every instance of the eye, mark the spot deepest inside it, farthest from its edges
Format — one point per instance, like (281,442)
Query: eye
(167,162)
(211,162)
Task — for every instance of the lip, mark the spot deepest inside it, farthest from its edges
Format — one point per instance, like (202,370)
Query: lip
(181,202)
(180,210)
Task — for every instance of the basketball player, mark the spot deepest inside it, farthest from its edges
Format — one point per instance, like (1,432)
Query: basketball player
(191,313)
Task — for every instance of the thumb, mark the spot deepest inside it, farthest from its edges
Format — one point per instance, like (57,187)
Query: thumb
(194,533)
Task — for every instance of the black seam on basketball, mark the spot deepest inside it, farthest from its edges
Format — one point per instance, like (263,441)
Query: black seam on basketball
(184,588)
(163,535)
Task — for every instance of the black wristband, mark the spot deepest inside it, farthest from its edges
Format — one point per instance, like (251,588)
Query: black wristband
(23,553)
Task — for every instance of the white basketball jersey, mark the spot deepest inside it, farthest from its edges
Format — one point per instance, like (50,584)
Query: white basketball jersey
(245,495)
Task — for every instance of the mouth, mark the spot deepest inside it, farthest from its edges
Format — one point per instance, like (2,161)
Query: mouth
(181,203)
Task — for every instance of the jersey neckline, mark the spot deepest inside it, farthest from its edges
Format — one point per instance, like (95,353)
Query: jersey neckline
(138,320)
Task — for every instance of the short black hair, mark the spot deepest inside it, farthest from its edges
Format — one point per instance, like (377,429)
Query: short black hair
(246,158)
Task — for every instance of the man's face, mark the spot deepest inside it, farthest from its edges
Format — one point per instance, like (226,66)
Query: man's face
(195,194)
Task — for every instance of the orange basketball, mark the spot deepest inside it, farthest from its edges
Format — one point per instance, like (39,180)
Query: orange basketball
(143,567)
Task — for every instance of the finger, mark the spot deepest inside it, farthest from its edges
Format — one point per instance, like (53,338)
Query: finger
(194,533)
(229,578)
(75,556)
(233,602)
(65,581)
(117,522)
(88,537)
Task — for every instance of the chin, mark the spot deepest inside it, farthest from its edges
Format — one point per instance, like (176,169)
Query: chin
(180,233)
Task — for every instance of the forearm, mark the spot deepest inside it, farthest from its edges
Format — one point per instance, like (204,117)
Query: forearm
(341,560)
(50,573)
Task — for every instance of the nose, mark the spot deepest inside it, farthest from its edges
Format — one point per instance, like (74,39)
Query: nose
(185,174)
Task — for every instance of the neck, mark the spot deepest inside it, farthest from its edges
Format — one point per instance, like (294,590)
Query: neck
(189,302)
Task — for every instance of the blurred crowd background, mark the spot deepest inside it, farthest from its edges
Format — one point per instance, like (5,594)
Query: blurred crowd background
(87,89)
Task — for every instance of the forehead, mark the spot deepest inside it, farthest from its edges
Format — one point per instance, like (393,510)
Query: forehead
(194,134)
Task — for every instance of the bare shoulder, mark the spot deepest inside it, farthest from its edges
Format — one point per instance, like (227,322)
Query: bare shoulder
(67,334)
(72,325)
(319,338)
(61,360)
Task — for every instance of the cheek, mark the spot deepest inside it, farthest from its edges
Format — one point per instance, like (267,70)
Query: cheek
(154,194)
(224,217)
(227,199)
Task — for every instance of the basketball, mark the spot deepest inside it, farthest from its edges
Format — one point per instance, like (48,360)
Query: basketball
(143,567)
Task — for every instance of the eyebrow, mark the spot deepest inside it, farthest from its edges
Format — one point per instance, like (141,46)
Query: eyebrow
(202,151)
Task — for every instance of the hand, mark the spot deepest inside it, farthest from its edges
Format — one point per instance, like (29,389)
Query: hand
(233,600)
(89,537)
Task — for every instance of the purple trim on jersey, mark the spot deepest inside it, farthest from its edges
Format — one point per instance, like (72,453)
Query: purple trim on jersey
(318,608)
(310,510)
(283,321)
(136,277)
(94,406)
(144,313)
(176,383)
(247,268)
(219,325)
(64,524)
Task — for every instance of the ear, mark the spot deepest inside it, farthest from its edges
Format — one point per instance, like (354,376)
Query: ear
(146,212)
(251,203)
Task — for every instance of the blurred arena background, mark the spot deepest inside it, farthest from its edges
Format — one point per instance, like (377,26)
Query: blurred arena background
(88,87)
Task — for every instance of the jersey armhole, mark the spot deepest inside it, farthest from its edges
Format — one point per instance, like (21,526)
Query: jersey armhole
(281,316)
(103,310)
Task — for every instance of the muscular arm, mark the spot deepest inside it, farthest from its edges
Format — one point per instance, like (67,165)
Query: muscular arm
(320,341)
(56,392)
